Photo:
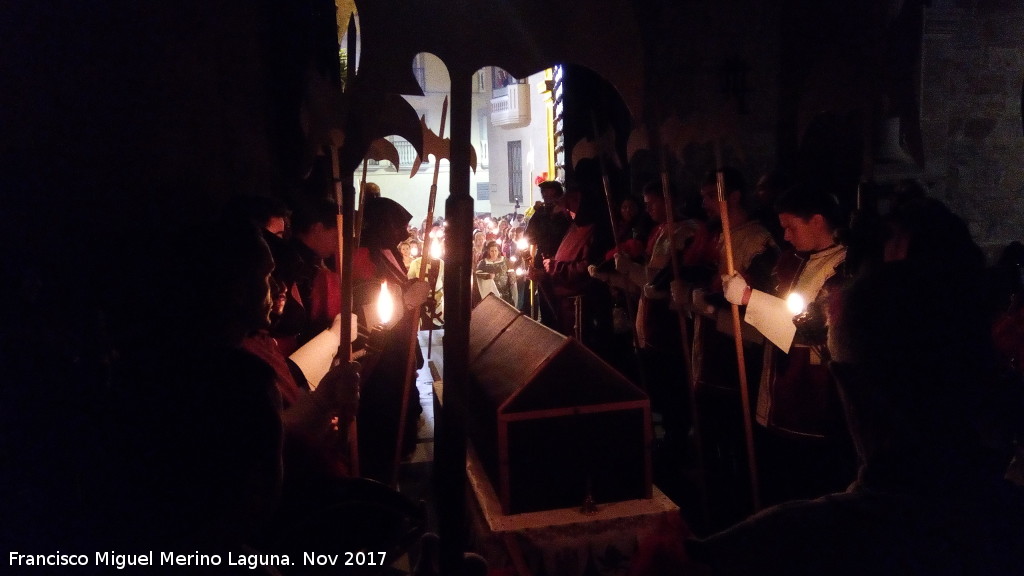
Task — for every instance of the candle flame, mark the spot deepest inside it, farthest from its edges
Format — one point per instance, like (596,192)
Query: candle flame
(795,303)
(435,250)
(522,244)
(414,251)
(385,304)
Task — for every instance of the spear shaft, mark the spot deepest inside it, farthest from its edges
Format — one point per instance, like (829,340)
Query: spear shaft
(344,221)
(748,428)
(414,330)
(684,332)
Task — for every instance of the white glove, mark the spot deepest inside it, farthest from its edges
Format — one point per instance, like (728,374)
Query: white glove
(415,293)
(679,295)
(592,270)
(734,288)
(622,263)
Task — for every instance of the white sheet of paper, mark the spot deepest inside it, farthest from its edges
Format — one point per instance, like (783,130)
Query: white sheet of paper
(772,318)
(487,286)
(314,358)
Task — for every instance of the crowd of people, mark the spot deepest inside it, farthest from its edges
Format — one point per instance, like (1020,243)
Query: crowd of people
(884,394)
(941,418)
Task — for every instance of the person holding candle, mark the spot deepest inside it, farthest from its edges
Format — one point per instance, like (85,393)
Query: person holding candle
(405,248)
(658,334)
(384,382)
(433,313)
(479,239)
(912,357)
(494,267)
(580,306)
(544,231)
(755,254)
(519,258)
(807,451)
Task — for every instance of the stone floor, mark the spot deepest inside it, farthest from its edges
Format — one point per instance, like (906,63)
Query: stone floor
(414,477)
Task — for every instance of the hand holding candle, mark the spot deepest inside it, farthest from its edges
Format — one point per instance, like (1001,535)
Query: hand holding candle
(810,322)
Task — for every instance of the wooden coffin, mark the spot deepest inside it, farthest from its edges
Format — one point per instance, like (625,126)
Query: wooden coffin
(551,422)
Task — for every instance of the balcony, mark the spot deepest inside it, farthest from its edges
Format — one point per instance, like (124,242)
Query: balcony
(510,106)
(406,157)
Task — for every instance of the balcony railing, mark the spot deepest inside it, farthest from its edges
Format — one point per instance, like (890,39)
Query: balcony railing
(406,156)
(510,106)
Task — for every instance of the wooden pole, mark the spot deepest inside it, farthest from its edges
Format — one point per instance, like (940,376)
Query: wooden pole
(605,181)
(414,330)
(748,428)
(630,309)
(684,332)
(344,200)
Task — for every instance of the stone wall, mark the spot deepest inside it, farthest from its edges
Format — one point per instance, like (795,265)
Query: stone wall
(972,67)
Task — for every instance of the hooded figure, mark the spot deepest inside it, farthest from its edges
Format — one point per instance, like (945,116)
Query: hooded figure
(385,226)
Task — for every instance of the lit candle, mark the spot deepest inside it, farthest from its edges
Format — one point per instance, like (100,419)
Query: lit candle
(414,251)
(435,249)
(385,304)
(795,303)
(522,244)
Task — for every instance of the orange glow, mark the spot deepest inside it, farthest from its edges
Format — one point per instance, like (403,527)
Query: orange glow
(795,303)
(385,304)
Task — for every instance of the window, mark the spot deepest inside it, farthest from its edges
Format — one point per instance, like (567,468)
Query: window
(483,122)
(515,171)
(481,81)
(419,70)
